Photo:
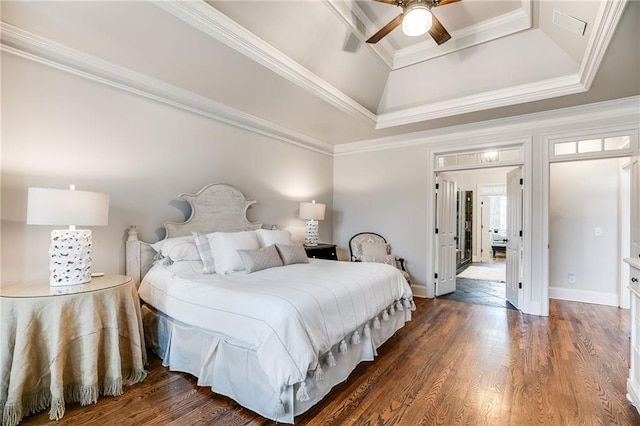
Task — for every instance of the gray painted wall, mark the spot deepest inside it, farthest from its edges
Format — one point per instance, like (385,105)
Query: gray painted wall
(584,196)
(60,129)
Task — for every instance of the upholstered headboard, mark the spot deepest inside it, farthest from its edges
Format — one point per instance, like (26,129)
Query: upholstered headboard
(216,207)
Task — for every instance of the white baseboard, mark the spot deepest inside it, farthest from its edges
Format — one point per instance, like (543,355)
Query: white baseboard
(584,296)
(419,290)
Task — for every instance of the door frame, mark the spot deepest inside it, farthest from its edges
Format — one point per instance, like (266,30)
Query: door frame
(547,159)
(450,147)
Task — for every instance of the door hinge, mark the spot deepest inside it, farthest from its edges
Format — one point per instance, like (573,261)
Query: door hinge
(521,181)
(437,186)
(435,275)
(519,285)
(521,232)
(436,230)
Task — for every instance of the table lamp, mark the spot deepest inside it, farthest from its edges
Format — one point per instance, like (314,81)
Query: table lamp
(313,212)
(70,249)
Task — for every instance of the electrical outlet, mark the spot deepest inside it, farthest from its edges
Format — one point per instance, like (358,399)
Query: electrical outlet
(572,278)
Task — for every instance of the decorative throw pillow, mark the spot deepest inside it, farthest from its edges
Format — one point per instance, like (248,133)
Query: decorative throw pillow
(257,260)
(375,249)
(177,248)
(389,259)
(225,246)
(204,251)
(292,253)
(267,237)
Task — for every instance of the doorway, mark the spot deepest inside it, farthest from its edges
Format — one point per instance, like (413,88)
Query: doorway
(588,231)
(481,215)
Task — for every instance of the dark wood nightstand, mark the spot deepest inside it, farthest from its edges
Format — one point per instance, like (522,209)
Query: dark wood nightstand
(322,251)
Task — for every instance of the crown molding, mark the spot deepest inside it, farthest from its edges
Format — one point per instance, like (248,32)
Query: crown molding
(207,19)
(495,129)
(558,86)
(19,42)
(210,21)
(606,23)
(352,15)
(481,32)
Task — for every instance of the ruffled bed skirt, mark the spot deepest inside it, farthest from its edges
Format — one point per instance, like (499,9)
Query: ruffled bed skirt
(234,371)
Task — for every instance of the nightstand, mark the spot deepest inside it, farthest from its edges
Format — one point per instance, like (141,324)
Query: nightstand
(85,338)
(322,251)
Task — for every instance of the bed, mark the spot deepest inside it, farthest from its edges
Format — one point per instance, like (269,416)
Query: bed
(274,332)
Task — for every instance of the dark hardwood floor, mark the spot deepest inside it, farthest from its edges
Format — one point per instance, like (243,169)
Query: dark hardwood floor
(454,364)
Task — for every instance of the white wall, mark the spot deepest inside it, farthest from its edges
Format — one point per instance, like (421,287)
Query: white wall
(383,186)
(60,129)
(584,196)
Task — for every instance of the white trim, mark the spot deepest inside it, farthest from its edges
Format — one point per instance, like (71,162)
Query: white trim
(632,129)
(586,133)
(481,32)
(494,128)
(33,47)
(584,296)
(450,146)
(210,21)
(605,25)
(529,92)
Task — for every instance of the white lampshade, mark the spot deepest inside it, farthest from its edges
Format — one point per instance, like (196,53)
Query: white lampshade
(48,206)
(70,249)
(312,211)
(417,21)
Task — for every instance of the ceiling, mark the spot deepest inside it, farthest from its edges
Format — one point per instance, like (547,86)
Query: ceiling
(301,69)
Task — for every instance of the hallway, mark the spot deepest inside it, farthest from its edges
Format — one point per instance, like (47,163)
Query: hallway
(479,291)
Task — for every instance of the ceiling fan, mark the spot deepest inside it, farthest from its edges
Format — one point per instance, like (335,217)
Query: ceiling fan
(416,19)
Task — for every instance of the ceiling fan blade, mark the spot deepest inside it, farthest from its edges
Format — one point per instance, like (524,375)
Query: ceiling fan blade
(386,29)
(393,1)
(437,31)
(441,2)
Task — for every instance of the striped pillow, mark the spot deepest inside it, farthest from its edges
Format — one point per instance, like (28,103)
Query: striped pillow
(206,255)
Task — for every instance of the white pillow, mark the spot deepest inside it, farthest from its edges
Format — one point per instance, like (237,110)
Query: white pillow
(177,248)
(185,267)
(375,249)
(268,237)
(225,246)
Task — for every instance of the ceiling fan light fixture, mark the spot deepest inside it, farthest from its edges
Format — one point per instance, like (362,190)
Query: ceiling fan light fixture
(417,21)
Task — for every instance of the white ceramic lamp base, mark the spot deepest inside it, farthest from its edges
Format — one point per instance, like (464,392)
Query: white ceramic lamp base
(70,261)
(311,233)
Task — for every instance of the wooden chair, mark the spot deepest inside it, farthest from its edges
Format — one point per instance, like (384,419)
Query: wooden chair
(372,247)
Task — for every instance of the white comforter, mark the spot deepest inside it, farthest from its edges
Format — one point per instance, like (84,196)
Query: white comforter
(290,316)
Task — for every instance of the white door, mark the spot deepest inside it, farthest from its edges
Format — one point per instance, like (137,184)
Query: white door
(635,207)
(514,237)
(446,235)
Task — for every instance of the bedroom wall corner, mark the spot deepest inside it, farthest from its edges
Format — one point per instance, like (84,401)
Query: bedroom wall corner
(385,192)
(60,129)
